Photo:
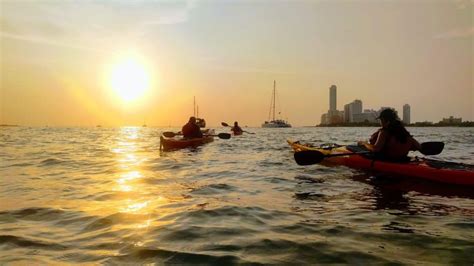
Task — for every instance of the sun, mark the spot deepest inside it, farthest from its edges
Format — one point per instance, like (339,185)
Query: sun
(129,79)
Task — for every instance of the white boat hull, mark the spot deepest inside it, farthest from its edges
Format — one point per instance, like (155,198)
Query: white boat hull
(273,124)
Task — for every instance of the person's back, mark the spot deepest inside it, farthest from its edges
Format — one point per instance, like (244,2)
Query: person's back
(395,149)
(191,129)
(392,141)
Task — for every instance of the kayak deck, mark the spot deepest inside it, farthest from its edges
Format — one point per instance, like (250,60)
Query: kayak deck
(434,170)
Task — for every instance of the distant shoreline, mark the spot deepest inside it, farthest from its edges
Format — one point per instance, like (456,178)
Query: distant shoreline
(469,124)
(418,124)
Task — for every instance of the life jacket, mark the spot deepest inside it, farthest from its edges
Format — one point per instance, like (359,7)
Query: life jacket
(236,129)
(394,149)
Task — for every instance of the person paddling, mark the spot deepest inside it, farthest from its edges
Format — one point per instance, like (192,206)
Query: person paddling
(191,129)
(392,141)
(236,129)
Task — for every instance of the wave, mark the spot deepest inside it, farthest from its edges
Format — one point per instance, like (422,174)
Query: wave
(212,189)
(17,241)
(51,162)
(33,214)
(114,219)
(163,256)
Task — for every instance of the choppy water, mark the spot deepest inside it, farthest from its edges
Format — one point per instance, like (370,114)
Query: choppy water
(107,195)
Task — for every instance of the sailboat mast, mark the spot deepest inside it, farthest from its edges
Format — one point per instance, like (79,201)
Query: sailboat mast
(274,85)
(194,107)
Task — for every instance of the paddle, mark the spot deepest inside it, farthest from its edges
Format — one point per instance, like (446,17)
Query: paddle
(432,147)
(227,125)
(313,157)
(170,134)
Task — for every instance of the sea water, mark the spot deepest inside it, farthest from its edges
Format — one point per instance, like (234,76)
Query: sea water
(108,195)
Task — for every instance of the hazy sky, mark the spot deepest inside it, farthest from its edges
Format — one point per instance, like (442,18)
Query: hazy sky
(57,56)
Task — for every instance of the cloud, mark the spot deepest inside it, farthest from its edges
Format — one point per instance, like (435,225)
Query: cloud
(92,24)
(463,4)
(45,41)
(217,64)
(175,15)
(456,33)
(169,19)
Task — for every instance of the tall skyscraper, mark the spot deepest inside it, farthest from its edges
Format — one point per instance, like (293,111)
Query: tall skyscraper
(406,114)
(333,98)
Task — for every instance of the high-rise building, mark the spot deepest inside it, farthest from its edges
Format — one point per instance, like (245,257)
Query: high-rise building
(357,107)
(352,109)
(333,98)
(347,113)
(406,114)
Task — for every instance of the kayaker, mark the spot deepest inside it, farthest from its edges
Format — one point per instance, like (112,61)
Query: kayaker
(191,129)
(236,129)
(392,141)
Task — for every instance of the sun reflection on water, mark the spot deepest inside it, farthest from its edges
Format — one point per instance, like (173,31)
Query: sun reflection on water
(129,192)
(130,181)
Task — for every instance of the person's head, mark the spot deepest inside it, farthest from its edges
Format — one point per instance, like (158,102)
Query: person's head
(236,123)
(192,120)
(388,116)
(389,120)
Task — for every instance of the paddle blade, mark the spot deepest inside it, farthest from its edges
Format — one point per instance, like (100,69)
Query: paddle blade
(224,135)
(224,124)
(432,147)
(308,157)
(169,134)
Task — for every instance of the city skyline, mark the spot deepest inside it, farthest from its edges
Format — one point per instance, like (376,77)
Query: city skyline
(130,62)
(354,113)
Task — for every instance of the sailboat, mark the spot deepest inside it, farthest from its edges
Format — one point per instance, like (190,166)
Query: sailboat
(199,121)
(274,122)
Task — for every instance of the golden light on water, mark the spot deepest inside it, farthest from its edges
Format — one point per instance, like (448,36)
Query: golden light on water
(129,191)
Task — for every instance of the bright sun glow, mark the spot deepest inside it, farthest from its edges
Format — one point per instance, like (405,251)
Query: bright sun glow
(130,80)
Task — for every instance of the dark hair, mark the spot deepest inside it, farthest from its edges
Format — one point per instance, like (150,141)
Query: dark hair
(395,126)
(388,114)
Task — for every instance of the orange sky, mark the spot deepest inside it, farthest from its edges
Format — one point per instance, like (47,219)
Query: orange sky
(57,58)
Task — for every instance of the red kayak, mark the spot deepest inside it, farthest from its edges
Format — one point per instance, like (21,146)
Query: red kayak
(181,143)
(434,170)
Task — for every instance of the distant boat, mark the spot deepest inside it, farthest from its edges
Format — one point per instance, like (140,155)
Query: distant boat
(274,122)
(199,121)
